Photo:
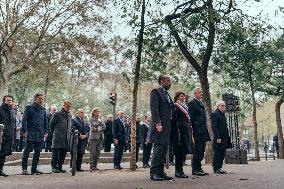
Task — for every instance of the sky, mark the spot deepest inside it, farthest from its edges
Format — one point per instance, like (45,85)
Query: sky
(268,8)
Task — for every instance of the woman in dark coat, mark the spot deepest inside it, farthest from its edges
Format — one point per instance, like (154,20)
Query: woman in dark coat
(182,134)
(8,119)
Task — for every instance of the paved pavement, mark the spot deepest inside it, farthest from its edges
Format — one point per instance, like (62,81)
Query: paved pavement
(255,175)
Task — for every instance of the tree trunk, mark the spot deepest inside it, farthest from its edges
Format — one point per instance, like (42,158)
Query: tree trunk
(46,85)
(5,86)
(279,126)
(256,152)
(135,90)
(207,100)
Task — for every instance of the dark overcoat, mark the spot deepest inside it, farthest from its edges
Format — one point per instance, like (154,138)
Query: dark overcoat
(83,129)
(162,111)
(182,132)
(60,127)
(198,118)
(8,119)
(220,129)
(119,131)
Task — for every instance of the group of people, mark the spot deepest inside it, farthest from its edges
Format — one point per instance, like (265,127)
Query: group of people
(184,126)
(176,123)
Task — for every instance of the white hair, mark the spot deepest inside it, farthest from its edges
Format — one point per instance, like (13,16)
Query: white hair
(220,102)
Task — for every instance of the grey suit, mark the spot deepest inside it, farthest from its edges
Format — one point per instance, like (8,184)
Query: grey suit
(95,140)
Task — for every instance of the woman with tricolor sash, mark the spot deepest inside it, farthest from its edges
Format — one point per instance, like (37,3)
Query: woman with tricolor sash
(182,141)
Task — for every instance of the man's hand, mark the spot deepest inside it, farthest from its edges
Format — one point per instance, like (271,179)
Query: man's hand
(219,141)
(45,135)
(18,128)
(95,129)
(159,127)
(83,136)
(115,141)
(25,135)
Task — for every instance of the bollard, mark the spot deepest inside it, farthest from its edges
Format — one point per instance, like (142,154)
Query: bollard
(168,158)
(74,152)
(265,150)
(1,134)
(273,150)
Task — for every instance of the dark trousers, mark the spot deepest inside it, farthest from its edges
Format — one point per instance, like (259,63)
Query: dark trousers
(118,152)
(180,156)
(79,159)
(30,146)
(158,160)
(219,154)
(107,143)
(198,155)
(16,145)
(2,161)
(146,153)
(47,143)
(58,157)
(137,151)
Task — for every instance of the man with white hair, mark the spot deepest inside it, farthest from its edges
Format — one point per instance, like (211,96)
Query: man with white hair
(222,139)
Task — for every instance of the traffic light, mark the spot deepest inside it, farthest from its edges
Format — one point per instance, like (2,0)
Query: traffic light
(112,98)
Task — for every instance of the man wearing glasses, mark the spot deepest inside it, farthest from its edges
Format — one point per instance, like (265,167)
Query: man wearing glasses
(8,119)
(222,139)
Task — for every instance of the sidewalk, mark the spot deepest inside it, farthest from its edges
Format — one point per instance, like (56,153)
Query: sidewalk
(255,175)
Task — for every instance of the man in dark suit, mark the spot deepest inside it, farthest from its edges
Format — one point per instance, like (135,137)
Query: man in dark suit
(108,139)
(119,139)
(163,112)
(222,139)
(8,119)
(78,123)
(200,133)
(144,140)
(60,127)
(35,129)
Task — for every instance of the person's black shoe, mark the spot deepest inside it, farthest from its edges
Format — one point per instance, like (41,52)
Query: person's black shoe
(55,171)
(166,177)
(204,172)
(156,177)
(36,172)
(25,172)
(120,167)
(198,173)
(117,167)
(3,174)
(146,166)
(79,170)
(61,170)
(181,175)
(220,171)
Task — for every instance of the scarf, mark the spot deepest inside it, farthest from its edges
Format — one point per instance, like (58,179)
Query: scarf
(183,108)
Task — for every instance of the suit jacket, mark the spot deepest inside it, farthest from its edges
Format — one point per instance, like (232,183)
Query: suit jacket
(83,129)
(220,129)
(119,132)
(143,133)
(163,111)
(198,118)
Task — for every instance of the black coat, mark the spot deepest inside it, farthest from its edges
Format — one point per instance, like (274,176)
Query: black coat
(182,132)
(162,112)
(83,129)
(108,132)
(60,127)
(220,129)
(119,132)
(8,119)
(143,133)
(198,119)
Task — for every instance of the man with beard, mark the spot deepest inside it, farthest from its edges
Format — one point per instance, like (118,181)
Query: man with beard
(7,118)
(60,127)
(163,113)
(35,129)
